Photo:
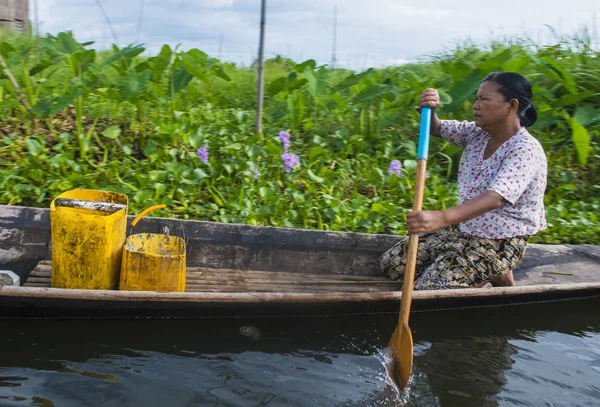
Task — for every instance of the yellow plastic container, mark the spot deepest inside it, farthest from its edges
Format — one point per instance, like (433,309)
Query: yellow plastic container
(153,262)
(87,245)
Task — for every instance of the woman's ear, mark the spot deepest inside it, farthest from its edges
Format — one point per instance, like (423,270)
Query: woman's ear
(514,105)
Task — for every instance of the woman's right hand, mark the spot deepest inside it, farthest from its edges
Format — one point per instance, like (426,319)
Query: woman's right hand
(429,98)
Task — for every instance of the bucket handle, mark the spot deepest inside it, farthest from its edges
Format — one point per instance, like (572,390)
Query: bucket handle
(148,210)
(145,212)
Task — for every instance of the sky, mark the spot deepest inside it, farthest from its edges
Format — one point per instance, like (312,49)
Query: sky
(369,33)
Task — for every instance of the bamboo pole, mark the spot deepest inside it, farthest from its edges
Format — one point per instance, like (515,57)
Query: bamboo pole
(333,51)
(37,32)
(140,20)
(13,81)
(261,87)
(595,40)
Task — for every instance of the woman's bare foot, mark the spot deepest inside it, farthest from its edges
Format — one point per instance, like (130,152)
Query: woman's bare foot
(506,280)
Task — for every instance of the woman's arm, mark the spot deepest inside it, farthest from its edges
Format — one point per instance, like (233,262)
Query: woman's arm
(430,221)
(436,125)
(431,98)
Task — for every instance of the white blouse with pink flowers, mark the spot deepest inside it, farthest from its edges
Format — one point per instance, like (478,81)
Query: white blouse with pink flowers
(517,171)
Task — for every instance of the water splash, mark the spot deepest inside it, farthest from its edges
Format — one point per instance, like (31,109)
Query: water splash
(384,356)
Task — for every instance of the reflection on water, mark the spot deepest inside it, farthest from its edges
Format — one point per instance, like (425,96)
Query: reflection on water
(470,370)
(528,355)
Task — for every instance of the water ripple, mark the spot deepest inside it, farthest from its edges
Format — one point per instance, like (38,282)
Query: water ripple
(516,357)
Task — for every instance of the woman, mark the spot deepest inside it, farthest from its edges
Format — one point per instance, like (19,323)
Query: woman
(501,181)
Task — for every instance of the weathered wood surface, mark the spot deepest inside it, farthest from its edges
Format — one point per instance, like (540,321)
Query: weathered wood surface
(282,298)
(547,269)
(24,238)
(25,302)
(25,241)
(558,264)
(202,279)
(246,270)
(223,292)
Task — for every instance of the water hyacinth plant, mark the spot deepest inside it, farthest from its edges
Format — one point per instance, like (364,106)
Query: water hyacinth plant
(290,161)
(284,137)
(202,154)
(139,126)
(395,168)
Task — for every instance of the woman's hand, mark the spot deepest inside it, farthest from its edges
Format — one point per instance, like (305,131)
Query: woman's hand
(425,221)
(429,98)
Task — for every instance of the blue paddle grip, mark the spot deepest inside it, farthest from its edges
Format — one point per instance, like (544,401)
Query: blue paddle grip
(423,149)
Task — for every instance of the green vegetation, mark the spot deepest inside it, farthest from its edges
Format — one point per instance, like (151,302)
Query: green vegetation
(116,120)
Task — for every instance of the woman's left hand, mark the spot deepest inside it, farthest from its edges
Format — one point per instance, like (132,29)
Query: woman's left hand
(425,221)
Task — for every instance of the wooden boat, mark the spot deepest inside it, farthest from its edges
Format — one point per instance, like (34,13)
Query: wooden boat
(240,270)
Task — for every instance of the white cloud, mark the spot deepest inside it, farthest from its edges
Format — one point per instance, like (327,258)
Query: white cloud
(373,33)
(397,61)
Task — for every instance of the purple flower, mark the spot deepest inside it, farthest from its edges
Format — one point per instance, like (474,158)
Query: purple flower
(426,174)
(202,154)
(290,161)
(395,168)
(284,137)
(254,173)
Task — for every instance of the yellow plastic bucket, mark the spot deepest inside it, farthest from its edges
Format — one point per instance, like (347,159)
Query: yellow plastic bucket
(153,262)
(87,244)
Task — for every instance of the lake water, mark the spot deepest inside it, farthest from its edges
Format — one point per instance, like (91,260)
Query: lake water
(533,355)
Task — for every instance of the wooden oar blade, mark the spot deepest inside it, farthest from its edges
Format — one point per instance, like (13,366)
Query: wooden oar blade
(402,356)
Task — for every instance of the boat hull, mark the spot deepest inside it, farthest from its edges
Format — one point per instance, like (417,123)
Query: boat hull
(243,271)
(23,302)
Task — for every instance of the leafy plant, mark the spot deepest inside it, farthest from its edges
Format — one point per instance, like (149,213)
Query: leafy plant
(120,121)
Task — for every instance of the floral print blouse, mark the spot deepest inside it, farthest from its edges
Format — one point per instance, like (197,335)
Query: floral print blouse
(517,171)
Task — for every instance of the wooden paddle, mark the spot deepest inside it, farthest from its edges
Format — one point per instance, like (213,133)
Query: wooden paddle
(402,342)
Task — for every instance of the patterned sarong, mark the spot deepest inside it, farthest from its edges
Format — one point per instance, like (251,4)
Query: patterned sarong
(449,258)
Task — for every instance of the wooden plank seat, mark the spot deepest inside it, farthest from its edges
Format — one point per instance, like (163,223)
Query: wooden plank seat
(202,279)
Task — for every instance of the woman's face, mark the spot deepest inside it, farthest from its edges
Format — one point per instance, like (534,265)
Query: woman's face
(490,108)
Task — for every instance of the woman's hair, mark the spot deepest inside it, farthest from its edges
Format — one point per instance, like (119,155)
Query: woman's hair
(514,86)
